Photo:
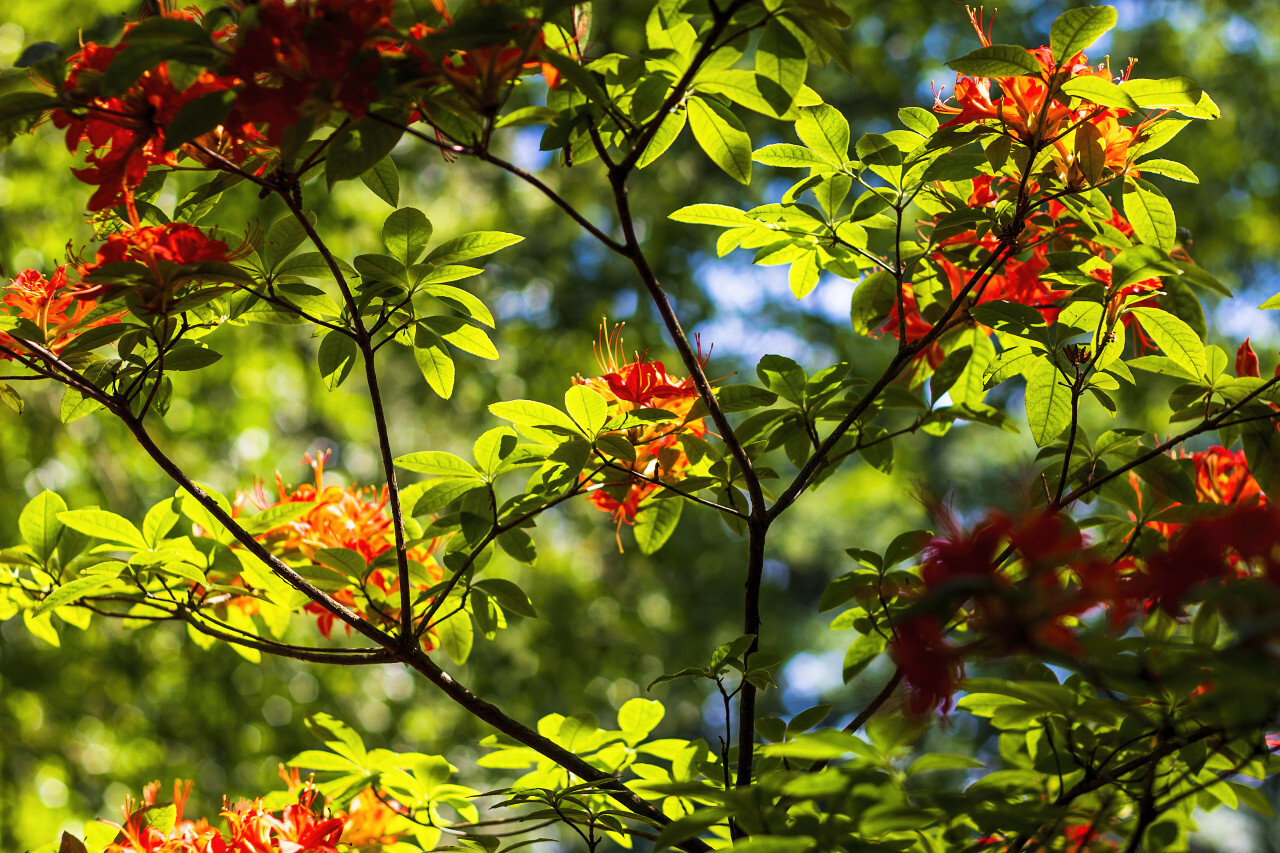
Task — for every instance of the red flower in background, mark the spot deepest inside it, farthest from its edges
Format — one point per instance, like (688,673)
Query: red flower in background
(306,58)
(931,667)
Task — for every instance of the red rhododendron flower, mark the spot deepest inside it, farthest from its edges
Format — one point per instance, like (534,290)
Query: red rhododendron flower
(306,58)
(126,134)
(172,253)
(931,667)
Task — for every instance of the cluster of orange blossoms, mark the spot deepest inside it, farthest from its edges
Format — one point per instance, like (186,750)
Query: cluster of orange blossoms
(50,304)
(1036,606)
(631,386)
(1088,146)
(254,828)
(341,517)
(172,254)
(1076,135)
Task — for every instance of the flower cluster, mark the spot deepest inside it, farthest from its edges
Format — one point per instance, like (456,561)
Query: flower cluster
(480,73)
(307,58)
(154,262)
(51,305)
(1087,143)
(1222,478)
(342,517)
(126,132)
(641,386)
(1087,146)
(1025,278)
(252,827)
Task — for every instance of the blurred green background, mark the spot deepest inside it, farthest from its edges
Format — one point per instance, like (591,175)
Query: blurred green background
(110,710)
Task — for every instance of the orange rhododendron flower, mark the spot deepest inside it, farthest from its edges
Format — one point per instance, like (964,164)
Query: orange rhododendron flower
(51,305)
(342,517)
(630,386)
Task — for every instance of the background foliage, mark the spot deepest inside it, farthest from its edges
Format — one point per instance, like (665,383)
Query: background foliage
(86,724)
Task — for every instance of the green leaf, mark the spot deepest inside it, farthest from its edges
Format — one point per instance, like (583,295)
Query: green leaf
(518,545)
(655,522)
(437,463)
(722,136)
(1175,338)
(508,595)
(433,359)
(476,244)
(284,235)
(338,353)
(668,132)
(535,417)
(784,155)
(459,299)
(1141,262)
(780,66)
(456,635)
(357,148)
(1076,29)
(349,563)
(637,717)
(106,526)
(588,409)
(744,398)
(918,119)
(784,377)
(1169,169)
(906,545)
(492,448)
(318,759)
(873,301)
(1262,451)
(996,60)
(71,592)
(1099,91)
(384,181)
(1172,92)
(39,525)
(712,214)
(463,335)
(1048,402)
(198,117)
(406,233)
(1150,214)
(825,132)
(11,398)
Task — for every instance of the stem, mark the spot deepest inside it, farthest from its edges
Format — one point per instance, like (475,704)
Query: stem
(1077,388)
(365,344)
(757,529)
